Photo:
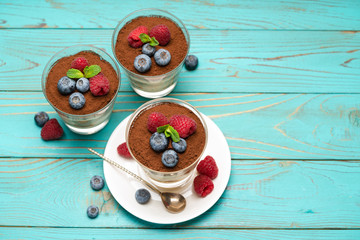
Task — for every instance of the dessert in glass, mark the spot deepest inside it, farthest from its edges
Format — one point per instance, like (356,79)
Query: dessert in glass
(150,27)
(81,83)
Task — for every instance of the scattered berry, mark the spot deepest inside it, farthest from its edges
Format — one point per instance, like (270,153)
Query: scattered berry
(83,85)
(123,150)
(99,85)
(179,146)
(203,185)
(191,62)
(161,34)
(92,211)
(183,124)
(79,63)
(170,158)
(66,85)
(41,118)
(134,39)
(77,100)
(208,167)
(159,142)
(51,130)
(148,49)
(142,63)
(162,57)
(97,182)
(155,120)
(142,196)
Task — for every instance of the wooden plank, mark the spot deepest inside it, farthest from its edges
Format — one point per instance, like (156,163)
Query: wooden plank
(233,61)
(260,194)
(142,234)
(257,126)
(212,14)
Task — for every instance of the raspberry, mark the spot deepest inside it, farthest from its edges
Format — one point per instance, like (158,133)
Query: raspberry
(51,130)
(208,167)
(99,85)
(161,33)
(134,39)
(80,63)
(203,185)
(183,124)
(155,120)
(123,150)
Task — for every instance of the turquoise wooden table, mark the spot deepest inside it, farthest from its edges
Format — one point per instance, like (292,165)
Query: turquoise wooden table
(281,79)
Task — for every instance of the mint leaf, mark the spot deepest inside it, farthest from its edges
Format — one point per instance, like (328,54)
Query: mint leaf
(169,131)
(74,73)
(92,70)
(144,38)
(153,42)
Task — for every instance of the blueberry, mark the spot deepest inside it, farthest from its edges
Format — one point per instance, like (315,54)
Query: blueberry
(142,196)
(97,182)
(76,100)
(148,50)
(191,62)
(83,85)
(159,142)
(92,211)
(41,118)
(179,146)
(162,57)
(66,85)
(169,158)
(142,63)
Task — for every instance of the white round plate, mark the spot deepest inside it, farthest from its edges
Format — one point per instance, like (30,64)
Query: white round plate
(123,187)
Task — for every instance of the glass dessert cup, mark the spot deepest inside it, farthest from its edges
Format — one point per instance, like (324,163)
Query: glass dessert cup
(152,86)
(88,123)
(172,179)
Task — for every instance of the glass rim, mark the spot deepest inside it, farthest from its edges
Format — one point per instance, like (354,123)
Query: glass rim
(116,30)
(165,99)
(44,78)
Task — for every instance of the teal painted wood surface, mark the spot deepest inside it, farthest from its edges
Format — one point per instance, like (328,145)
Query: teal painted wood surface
(297,126)
(208,14)
(233,61)
(260,194)
(142,234)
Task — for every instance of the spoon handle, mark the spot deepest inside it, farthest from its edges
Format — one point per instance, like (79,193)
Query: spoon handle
(125,170)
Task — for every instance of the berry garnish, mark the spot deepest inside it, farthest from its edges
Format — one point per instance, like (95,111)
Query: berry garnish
(97,182)
(148,49)
(80,63)
(77,100)
(208,167)
(134,36)
(183,124)
(51,130)
(159,142)
(83,85)
(92,211)
(123,150)
(66,85)
(203,185)
(99,85)
(169,158)
(41,118)
(142,196)
(191,62)
(162,57)
(161,33)
(179,146)
(142,63)
(155,120)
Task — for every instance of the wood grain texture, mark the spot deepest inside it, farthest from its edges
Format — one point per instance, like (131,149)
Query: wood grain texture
(234,61)
(208,14)
(142,234)
(256,126)
(260,194)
